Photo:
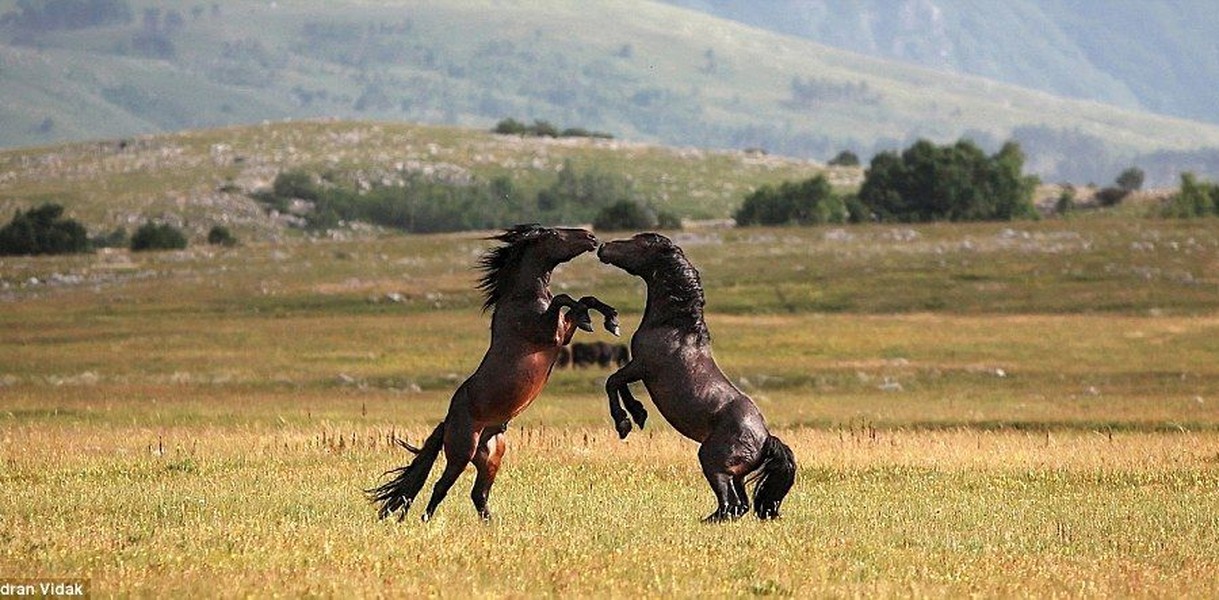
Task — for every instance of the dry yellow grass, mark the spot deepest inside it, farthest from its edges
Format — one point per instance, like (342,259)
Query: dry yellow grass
(207,430)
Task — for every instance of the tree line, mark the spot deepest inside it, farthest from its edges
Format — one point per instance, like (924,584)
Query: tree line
(44,230)
(418,204)
(926,182)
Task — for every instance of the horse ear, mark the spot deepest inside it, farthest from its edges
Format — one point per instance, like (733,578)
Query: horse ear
(520,233)
(661,242)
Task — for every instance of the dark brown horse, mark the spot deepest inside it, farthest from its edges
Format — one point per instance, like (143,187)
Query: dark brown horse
(671,355)
(528,326)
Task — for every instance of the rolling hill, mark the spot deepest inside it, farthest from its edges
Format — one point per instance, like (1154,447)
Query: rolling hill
(1156,55)
(642,70)
(198,178)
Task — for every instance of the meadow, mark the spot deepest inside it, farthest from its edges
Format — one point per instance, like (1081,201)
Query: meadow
(1027,409)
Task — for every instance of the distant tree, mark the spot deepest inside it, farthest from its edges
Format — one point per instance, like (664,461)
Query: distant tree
(151,236)
(1193,199)
(579,195)
(510,126)
(1111,196)
(43,230)
(1066,201)
(625,215)
(955,182)
(1131,179)
(295,184)
(846,158)
(807,202)
(220,235)
(542,128)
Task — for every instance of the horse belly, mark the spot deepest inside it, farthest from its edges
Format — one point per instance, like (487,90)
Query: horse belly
(506,393)
(681,406)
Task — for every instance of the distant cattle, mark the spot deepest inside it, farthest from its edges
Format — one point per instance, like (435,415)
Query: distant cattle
(601,354)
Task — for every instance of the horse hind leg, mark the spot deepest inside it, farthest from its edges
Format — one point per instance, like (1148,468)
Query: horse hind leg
(633,406)
(714,459)
(486,461)
(459,448)
(725,497)
(742,506)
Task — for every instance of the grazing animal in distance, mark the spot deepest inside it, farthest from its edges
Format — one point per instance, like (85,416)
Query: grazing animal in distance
(671,355)
(528,327)
(599,353)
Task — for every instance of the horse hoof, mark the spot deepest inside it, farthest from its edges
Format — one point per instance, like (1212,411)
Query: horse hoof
(614,330)
(586,326)
(641,417)
(624,428)
(425,517)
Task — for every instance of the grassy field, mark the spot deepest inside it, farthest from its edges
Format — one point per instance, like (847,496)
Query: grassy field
(994,410)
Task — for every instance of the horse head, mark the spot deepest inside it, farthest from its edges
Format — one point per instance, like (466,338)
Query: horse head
(529,249)
(636,254)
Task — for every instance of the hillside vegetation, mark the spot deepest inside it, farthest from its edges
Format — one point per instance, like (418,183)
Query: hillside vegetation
(203,178)
(639,70)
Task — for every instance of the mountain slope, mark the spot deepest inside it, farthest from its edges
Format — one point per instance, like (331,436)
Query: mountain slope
(1154,55)
(642,70)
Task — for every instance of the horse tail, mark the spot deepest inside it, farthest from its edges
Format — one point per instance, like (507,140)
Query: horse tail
(774,477)
(399,492)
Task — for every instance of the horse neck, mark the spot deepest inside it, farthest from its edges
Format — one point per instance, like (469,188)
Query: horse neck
(530,280)
(675,298)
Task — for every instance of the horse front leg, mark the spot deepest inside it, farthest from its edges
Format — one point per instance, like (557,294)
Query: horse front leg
(609,312)
(618,390)
(577,312)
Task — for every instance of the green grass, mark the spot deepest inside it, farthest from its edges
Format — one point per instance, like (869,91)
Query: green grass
(202,422)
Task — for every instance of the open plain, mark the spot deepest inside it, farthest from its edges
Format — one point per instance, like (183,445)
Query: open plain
(1016,409)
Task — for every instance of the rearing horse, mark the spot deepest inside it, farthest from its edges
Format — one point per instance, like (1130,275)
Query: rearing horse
(528,327)
(671,354)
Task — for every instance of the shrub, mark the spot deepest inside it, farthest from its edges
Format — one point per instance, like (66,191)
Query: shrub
(846,158)
(625,215)
(1066,201)
(295,184)
(542,128)
(420,204)
(807,202)
(43,230)
(1194,199)
(151,236)
(1131,179)
(1111,196)
(220,235)
(510,126)
(955,182)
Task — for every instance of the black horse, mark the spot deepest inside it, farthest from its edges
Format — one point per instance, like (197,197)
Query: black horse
(671,354)
(528,327)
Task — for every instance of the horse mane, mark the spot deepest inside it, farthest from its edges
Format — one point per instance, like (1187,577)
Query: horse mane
(679,280)
(498,264)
